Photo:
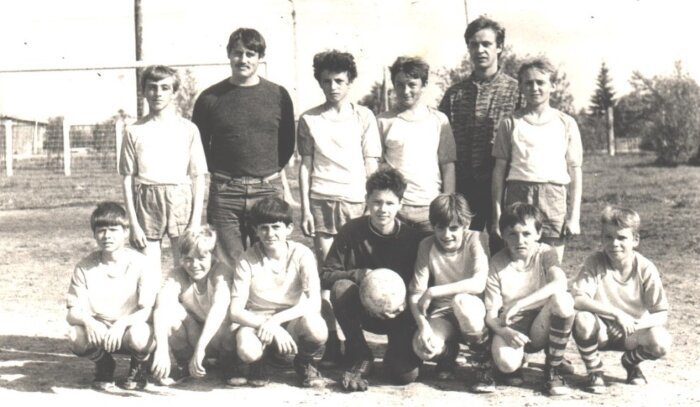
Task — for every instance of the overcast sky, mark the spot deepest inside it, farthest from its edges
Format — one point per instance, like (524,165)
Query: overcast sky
(644,35)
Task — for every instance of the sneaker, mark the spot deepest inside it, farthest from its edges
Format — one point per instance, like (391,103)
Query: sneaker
(555,385)
(447,362)
(307,373)
(355,379)
(332,354)
(257,374)
(178,374)
(566,367)
(137,376)
(484,380)
(510,379)
(596,383)
(634,374)
(104,373)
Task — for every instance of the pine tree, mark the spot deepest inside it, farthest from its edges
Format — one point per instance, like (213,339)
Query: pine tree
(604,96)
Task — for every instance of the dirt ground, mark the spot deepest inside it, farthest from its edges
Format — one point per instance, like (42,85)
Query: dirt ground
(41,246)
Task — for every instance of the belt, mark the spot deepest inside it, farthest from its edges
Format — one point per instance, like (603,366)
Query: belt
(245,179)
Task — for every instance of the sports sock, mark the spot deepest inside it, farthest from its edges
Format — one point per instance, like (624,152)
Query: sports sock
(559,332)
(636,356)
(97,355)
(589,353)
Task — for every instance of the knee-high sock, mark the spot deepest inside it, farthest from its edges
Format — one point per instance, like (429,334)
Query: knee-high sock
(559,333)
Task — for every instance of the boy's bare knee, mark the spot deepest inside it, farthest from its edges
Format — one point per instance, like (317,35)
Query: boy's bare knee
(562,304)
(585,325)
(660,341)
(248,346)
(139,337)
(78,340)
(314,328)
(506,358)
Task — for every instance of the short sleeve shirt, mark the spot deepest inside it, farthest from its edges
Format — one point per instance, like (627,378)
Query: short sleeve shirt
(508,283)
(162,152)
(110,291)
(446,268)
(417,146)
(339,147)
(640,294)
(539,152)
(196,302)
(270,285)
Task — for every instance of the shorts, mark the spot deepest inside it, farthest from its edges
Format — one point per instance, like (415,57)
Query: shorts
(330,215)
(523,320)
(416,216)
(163,209)
(547,197)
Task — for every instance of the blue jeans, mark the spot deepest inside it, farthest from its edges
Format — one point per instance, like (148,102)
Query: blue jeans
(228,211)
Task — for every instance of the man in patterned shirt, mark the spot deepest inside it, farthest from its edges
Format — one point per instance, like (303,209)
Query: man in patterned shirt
(474,108)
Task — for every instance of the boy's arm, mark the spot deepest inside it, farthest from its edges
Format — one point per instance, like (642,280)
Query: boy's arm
(625,321)
(493,301)
(198,183)
(573,223)
(138,237)
(446,154)
(651,320)
(307,219)
(339,263)
(286,189)
(285,131)
(447,172)
(167,298)
(497,188)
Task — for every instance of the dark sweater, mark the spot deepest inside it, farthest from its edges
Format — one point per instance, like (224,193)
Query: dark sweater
(246,130)
(358,246)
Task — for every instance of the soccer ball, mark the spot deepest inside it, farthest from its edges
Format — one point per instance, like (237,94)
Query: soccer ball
(383,293)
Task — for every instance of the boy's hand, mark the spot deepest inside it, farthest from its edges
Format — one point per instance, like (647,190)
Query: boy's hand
(113,338)
(514,338)
(267,331)
(95,331)
(285,343)
(509,313)
(572,227)
(625,323)
(137,238)
(196,366)
(161,363)
(307,224)
(495,231)
(424,302)
(427,341)
(360,274)
(194,224)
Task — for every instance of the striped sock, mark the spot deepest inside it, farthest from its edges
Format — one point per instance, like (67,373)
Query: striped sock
(636,356)
(589,353)
(559,333)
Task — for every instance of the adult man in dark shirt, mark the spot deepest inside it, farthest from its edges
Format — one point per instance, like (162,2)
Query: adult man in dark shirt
(474,107)
(247,128)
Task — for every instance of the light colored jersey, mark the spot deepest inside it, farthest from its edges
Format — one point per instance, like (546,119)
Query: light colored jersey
(339,148)
(447,268)
(637,296)
(539,152)
(508,283)
(268,285)
(196,302)
(416,147)
(110,291)
(162,152)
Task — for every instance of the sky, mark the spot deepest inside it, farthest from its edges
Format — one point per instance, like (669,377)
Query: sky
(628,35)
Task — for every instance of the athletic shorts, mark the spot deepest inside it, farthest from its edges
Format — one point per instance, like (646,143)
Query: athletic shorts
(163,209)
(523,320)
(417,216)
(547,197)
(330,215)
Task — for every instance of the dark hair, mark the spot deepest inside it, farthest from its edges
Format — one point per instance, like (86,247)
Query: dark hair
(446,208)
(482,23)
(386,179)
(539,63)
(520,212)
(249,37)
(413,67)
(108,213)
(336,62)
(159,72)
(271,210)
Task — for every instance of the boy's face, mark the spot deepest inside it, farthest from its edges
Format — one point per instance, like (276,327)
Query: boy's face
(521,239)
(618,242)
(383,206)
(483,50)
(273,235)
(536,86)
(159,94)
(244,62)
(197,265)
(408,90)
(450,238)
(335,86)
(111,238)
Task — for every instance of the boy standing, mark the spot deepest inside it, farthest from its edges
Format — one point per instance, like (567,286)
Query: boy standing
(446,289)
(191,314)
(362,245)
(620,302)
(340,147)
(110,299)
(247,128)
(418,142)
(475,106)
(527,305)
(276,298)
(161,159)
(538,155)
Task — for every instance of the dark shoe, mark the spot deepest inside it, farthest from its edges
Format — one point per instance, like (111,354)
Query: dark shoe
(555,385)
(355,379)
(511,379)
(104,373)
(138,374)
(257,374)
(566,367)
(447,362)
(596,383)
(484,379)
(332,355)
(634,374)
(307,373)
